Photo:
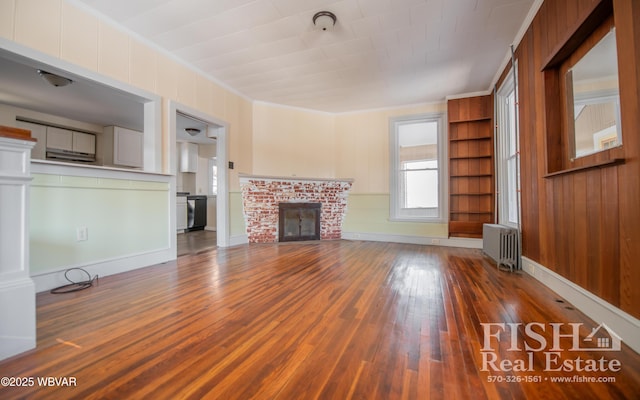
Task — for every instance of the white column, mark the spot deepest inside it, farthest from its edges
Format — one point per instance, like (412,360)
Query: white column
(17,291)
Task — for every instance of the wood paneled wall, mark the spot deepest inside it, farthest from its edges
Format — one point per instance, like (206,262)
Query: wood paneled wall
(584,225)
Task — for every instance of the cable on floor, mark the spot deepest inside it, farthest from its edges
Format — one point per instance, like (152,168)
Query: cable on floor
(75,286)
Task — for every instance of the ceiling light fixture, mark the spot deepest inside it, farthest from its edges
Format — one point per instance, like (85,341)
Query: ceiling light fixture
(324,20)
(192,131)
(55,80)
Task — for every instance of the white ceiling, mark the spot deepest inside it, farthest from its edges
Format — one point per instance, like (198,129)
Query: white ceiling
(382,53)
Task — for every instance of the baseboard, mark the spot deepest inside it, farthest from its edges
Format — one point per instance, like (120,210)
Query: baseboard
(624,324)
(17,316)
(238,240)
(424,240)
(52,279)
(383,237)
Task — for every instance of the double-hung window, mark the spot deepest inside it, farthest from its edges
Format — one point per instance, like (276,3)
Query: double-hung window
(508,159)
(417,159)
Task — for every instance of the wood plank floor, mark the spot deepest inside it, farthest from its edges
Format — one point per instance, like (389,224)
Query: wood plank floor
(329,320)
(195,242)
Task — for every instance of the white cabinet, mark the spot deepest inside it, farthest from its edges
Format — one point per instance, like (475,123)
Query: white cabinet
(188,157)
(38,132)
(84,143)
(64,139)
(123,147)
(59,139)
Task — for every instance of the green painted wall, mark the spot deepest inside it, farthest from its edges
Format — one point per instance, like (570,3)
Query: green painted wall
(369,213)
(237,225)
(366,213)
(123,217)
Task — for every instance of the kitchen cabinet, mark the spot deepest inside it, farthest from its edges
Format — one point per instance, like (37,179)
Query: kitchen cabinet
(38,132)
(188,157)
(65,139)
(59,139)
(123,147)
(84,143)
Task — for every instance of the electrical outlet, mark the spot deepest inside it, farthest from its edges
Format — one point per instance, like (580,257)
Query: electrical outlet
(82,233)
(435,241)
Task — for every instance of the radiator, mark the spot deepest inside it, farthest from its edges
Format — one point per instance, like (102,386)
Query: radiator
(501,244)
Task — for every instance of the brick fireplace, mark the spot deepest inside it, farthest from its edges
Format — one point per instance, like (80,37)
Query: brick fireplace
(262,196)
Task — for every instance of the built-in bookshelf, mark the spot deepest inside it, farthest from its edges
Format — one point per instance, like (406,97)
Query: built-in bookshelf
(471,165)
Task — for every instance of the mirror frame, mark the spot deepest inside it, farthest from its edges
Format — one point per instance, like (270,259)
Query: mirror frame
(558,140)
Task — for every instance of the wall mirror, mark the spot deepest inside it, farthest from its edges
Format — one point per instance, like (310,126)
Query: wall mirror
(593,101)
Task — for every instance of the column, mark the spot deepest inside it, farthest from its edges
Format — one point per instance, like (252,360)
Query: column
(17,291)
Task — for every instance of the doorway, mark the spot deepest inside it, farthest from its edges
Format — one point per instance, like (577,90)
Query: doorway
(198,157)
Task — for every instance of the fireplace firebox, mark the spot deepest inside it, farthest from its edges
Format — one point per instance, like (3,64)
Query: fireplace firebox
(299,221)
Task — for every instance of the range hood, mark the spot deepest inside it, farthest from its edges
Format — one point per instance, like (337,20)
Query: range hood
(68,155)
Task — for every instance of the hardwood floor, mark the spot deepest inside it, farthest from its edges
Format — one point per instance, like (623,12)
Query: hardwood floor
(325,319)
(196,242)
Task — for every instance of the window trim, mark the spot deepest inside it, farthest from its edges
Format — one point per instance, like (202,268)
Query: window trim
(510,84)
(395,213)
(212,163)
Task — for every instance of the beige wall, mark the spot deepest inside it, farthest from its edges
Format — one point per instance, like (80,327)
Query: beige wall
(62,30)
(239,113)
(290,141)
(262,138)
(363,145)
(293,142)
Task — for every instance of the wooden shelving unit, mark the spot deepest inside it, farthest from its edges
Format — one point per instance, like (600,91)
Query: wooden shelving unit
(471,165)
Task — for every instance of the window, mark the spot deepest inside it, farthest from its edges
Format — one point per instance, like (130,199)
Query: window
(417,176)
(508,158)
(213,176)
(581,97)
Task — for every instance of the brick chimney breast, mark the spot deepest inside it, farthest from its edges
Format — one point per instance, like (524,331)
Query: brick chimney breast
(261,196)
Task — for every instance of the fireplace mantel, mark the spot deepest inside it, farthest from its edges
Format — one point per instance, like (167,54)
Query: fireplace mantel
(262,194)
(248,177)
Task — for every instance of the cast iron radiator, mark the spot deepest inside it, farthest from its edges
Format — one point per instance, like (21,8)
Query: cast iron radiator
(501,244)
